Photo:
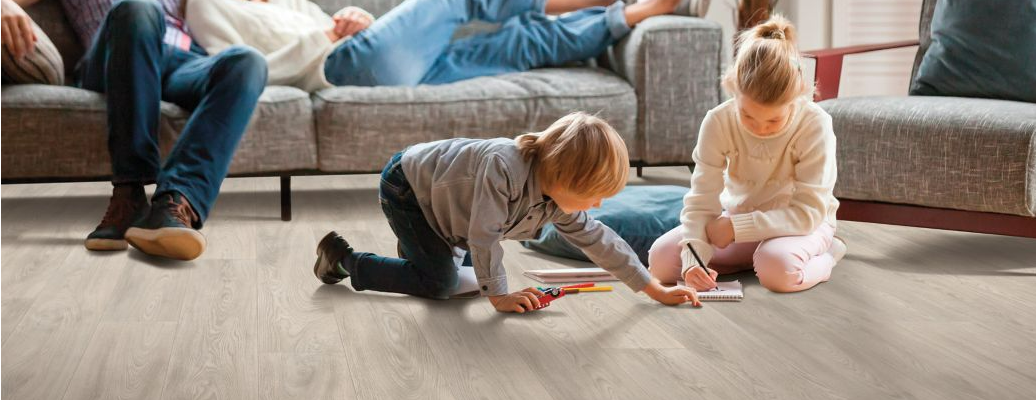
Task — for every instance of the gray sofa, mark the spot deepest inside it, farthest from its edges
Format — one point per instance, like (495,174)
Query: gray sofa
(940,162)
(655,87)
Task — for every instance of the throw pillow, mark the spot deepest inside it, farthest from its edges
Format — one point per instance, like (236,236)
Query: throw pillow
(43,65)
(980,49)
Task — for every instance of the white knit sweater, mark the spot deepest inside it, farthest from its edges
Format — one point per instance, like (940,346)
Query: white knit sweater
(778,185)
(290,33)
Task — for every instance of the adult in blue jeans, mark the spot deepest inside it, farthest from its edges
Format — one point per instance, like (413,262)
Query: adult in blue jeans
(136,68)
(413,43)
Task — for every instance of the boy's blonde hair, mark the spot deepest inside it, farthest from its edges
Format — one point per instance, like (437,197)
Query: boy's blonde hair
(767,66)
(579,153)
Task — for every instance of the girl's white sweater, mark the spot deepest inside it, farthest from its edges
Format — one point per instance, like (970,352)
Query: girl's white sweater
(772,186)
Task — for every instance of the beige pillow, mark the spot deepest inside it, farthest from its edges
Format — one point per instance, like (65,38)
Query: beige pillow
(43,65)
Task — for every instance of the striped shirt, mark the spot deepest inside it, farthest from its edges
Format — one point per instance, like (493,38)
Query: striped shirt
(86,17)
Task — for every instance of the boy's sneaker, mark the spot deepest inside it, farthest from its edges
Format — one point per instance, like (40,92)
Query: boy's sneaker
(166,231)
(838,249)
(127,204)
(331,251)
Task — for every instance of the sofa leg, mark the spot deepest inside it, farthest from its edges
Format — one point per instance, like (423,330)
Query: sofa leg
(640,171)
(286,198)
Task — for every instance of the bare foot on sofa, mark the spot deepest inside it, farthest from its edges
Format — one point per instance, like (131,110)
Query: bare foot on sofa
(649,8)
(564,6)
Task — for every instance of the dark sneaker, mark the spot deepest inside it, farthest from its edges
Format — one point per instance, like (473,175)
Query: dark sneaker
(330,252)
(166,231)
(128,203)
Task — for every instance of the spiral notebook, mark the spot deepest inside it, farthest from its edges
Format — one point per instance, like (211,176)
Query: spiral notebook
(725,291)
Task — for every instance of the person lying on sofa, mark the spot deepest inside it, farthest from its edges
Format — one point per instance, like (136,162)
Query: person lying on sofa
(412,44)
(139,53)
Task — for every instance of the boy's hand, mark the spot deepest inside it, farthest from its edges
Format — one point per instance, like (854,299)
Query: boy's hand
(671,296)
(18,35)
(519,302)
(720,232)
(699,280)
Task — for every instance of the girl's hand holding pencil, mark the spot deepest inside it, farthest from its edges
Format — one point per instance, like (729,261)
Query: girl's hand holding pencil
(700,277)
(699,280)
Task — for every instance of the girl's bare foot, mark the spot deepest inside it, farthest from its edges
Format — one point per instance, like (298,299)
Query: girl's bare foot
(648,8)
(564,6)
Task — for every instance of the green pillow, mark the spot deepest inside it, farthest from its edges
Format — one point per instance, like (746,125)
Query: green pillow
(980,49)
(639,214)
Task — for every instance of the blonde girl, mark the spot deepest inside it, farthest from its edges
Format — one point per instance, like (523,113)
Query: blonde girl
(761,193)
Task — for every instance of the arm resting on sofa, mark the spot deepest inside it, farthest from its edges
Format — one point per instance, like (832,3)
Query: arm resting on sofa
(829,64)
(673,63)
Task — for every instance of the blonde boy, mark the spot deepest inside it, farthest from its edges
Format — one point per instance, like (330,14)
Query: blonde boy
(471,194)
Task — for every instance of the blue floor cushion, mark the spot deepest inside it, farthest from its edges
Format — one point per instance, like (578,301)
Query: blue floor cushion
(639,214)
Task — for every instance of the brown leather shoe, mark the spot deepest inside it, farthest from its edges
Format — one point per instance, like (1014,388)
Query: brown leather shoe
(127,204)
(167,230)
(331,251)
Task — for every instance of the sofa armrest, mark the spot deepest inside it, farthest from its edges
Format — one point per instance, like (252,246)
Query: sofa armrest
(673,64)
(828,64)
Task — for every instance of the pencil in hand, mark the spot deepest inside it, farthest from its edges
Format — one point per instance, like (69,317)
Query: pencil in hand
(700,264)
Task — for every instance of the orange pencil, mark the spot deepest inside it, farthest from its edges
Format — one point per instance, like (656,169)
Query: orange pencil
(588,289)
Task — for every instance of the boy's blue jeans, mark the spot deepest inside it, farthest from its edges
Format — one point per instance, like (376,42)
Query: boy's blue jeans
(129,62)
(411,44)
(429,270)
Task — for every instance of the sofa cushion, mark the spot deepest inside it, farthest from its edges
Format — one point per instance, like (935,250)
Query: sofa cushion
(57,132)
(980,49)
(61,132)
(359,128)
(947,152)
(280,137)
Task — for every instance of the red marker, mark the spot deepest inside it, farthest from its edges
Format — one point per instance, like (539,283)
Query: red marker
(549,295)
(575,286)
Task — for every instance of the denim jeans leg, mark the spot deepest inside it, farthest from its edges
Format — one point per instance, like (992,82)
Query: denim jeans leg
(429,270)
(222,90)
(399,48)
(125,62)
(531,40)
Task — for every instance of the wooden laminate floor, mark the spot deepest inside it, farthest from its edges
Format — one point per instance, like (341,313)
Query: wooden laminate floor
(909,313)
